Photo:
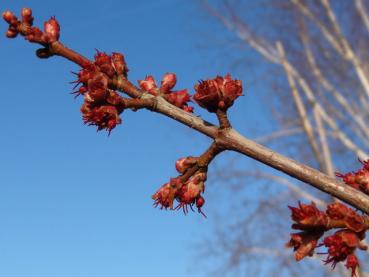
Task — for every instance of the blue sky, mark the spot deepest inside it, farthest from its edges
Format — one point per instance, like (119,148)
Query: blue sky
(77,203)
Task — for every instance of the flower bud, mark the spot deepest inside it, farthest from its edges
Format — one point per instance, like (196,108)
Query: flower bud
(178,98)
(119,64)
(168,82)
(148,85)
(165,194)
(11,33)
(52,29)
(183,164)
(27,16)
(217,93)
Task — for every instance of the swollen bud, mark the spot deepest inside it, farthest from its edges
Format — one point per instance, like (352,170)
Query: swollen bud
(11,33)
(119,63)
(52,29)
(27,16)
(168,82)
(183,164)
(148,85)
(9,17)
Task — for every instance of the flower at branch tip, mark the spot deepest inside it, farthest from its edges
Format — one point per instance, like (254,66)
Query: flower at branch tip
(166,194)
(308,217)
(183,164)
(304,243)
(342,244)
(104,117)
(217,93)
(52,29)
(191,191)
(168,82)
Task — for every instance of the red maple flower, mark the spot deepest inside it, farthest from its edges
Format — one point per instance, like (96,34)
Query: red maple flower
(342,244)
(304,243)
(308,217)
(105,64)
(178,98)
(217,93)
(352,220)
(191,191)
(119,64)
(149,85)
(166,194)
(353,263)
(168,82)
(183,164)
(104,117)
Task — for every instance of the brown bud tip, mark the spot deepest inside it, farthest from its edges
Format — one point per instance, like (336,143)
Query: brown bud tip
(11,33)
(9,16)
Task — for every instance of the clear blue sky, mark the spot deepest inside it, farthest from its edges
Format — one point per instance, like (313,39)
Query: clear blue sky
(77,203)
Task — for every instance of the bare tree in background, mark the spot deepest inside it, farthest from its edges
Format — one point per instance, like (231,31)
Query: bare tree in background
(320,49)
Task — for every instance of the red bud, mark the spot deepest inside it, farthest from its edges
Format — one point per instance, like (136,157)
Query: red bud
(52,29)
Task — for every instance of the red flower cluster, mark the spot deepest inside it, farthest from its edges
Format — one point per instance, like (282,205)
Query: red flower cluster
(341,245)
(33,34)
(308,216)
(101,106)
(186,193)
(314,223)
(179,98)
(359,179)
(218,93)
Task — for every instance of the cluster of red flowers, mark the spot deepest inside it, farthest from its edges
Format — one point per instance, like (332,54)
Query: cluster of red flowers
(217,93)
(186,193)
(313,223)
(101,106)
(359,179)
(179,98)
(34,34)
